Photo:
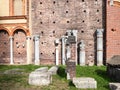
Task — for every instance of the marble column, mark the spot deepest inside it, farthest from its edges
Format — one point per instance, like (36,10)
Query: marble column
(82,53)
(37,58)
(68,52)
(63,50)
(29,51)
(11,50)
(56,52)
(111,2)
(99,47)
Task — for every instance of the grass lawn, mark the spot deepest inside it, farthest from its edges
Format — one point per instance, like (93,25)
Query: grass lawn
(59,82)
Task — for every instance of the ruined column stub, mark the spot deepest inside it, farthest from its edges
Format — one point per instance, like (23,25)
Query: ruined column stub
(36,40)
(100,47)
(82,53)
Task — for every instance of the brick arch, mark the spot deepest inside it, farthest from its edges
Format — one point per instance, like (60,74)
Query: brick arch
(3,28)
(27,33)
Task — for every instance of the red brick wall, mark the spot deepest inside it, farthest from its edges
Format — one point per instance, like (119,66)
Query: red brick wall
(4,47)
(52,18)
(112,31)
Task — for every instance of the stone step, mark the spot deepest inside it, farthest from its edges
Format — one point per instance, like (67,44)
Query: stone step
(53,70)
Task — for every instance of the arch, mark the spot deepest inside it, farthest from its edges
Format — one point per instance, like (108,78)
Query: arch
(3,28)
(27,33)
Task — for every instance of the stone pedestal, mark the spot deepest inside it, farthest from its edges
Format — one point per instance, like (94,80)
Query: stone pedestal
(71,69)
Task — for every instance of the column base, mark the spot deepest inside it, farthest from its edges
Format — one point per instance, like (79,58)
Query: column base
(37,62)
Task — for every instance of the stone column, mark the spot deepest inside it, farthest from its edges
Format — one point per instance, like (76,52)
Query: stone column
(82,53)
(99,47)
(75,34)
(56,52)
(36,39)
(29,55)
(111,2)
(11,50)
(63,50)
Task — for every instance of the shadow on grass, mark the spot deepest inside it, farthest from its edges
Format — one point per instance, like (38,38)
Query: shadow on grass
(71,83)
(104,75)
(61,72)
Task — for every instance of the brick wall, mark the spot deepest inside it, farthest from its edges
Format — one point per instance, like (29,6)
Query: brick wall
(113,31)
(4,47)
(52,18)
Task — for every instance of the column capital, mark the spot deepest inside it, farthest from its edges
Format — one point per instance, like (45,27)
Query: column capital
(11,37)
(36,37)
(28,37)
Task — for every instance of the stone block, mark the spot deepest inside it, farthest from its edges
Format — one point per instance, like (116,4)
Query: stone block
(40,78)
(42,69)
(114,86)
(84,82)
(53,70)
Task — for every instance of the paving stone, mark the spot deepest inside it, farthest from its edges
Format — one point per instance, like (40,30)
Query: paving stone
(14,71)
(53,70)
(114,86)
(39,78)
(84,82)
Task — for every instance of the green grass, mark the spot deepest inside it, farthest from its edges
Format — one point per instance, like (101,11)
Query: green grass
(59,82)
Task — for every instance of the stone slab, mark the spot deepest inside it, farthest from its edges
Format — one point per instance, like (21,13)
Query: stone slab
(114,86)
(53,70)
(84,82)
(38,78)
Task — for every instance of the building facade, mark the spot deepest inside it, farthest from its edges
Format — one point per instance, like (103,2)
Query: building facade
(32,31)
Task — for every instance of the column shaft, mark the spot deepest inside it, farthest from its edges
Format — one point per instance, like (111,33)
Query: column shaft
(11,50)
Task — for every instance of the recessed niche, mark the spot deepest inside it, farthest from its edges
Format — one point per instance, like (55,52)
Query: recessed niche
(54,2)
(66,11)
(41,53)
(98,20)
(3,52)
(83,0)
(16,42)
(41,42)
(54,22)
(68,21)
(67,1)
(97,10)
(53,31)
(82,31)
(113,30)
(19,53)
(40,2)
(5,43)
(83,21)
(53,53)
(84,11)
(41,22)
(40,13)
(42,32)
(53,12)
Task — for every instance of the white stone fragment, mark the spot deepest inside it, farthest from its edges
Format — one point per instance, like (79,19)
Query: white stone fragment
(114,86)
(38,78)
(53,70)
(84,82)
